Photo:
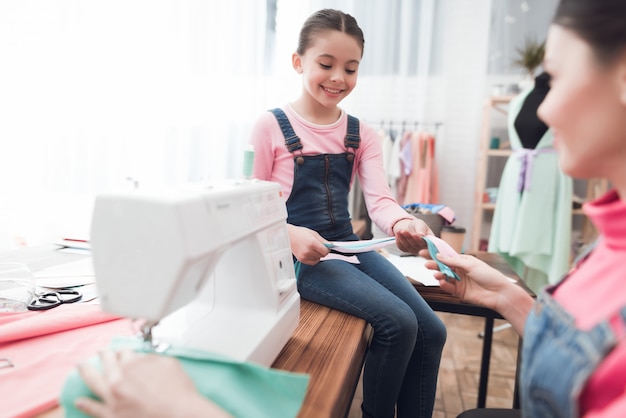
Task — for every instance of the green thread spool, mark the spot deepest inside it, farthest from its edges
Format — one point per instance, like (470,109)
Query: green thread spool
(248,161)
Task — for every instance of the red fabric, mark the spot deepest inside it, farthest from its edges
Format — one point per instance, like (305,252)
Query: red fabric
(44,347)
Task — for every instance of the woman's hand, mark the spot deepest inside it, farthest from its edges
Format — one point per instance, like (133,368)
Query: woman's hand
(480,284)
(483,285)
(307,245)
(139,385)
(409,233)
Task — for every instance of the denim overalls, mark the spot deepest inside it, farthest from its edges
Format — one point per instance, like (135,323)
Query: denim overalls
(558,358)
(321,183)
(403,358)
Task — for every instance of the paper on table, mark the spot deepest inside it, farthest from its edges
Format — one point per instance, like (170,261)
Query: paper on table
(334,256)
(413,268)
(352,247)
(75,273)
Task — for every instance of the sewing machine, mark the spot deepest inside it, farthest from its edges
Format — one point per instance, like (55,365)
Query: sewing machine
(207,267)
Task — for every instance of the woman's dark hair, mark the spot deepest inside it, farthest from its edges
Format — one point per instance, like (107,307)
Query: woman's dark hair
(328,19)
(601,23)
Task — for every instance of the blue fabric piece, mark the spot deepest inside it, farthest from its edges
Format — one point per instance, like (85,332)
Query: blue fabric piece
(434,208)
(433,251)
(242,389)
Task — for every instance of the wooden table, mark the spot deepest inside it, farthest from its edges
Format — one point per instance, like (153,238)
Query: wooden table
(330,346)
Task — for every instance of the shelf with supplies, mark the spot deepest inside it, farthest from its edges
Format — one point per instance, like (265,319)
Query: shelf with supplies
(491,159)
(488,154)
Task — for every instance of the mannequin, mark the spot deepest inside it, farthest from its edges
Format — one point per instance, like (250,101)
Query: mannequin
(527,124)
(533,213)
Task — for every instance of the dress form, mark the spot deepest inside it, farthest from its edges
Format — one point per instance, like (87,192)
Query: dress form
(527,124)
(531,222)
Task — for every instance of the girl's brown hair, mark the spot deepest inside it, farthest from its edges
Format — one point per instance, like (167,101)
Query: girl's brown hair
(328,19)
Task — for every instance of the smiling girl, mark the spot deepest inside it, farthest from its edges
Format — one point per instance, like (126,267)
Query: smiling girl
(314,150)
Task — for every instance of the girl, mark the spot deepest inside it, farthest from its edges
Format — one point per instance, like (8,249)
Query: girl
(574,350)
(314,150)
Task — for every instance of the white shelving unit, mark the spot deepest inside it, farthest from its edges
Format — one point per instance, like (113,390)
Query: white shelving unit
(485,157)
(483,211)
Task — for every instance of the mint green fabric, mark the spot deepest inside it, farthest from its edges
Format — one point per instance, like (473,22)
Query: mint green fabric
(532,230)
(242,389)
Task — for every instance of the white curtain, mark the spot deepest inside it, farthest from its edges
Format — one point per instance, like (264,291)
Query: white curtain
(104,95)
(513,23)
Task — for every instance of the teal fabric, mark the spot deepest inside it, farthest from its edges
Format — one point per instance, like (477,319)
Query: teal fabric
(532,229)
(242,389)
(433,251)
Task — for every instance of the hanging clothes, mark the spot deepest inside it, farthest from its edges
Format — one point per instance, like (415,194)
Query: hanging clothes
(418,182)
(532,221)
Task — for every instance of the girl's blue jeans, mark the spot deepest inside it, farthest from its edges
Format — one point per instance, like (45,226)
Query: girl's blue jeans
(402,362)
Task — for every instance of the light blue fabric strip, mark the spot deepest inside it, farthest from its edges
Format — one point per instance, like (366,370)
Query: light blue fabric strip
(433,251)
(242,389)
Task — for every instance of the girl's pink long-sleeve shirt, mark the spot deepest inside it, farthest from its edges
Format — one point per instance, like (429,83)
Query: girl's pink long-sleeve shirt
(273,162)
(595,291)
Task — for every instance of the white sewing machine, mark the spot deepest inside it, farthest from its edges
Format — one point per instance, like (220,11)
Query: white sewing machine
(208,267)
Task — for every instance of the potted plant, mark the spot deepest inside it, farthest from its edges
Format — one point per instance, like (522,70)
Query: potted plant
(529,57)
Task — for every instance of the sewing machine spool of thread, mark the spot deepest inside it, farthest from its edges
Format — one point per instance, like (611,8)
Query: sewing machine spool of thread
(17,287)
(248,161)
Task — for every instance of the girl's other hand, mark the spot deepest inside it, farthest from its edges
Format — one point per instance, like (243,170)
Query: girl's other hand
(409,233)
(307,245)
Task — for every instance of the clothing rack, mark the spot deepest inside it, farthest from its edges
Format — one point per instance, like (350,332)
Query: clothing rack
(398,127)
(401,126)
(405,124)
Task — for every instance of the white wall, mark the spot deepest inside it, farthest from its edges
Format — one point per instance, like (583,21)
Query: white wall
(454,98)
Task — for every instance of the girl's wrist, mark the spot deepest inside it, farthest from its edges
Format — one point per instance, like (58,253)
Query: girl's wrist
(393,227)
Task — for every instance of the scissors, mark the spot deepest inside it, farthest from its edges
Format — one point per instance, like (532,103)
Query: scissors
(49,300)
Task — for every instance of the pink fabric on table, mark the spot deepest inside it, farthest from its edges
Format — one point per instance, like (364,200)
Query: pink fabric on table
(44,347)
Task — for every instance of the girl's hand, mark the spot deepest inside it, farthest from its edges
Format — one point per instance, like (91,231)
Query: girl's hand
(409,233)
(306,245)
(140,385)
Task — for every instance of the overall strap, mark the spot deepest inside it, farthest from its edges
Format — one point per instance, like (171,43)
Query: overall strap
(292,141)
(352,137)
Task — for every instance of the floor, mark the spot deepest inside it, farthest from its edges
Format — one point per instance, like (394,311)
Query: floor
(457,387)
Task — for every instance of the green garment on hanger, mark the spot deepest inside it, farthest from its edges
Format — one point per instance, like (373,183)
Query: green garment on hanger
(242,389)
(531,228)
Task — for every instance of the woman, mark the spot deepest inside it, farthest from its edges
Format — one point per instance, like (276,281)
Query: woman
(574,350)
